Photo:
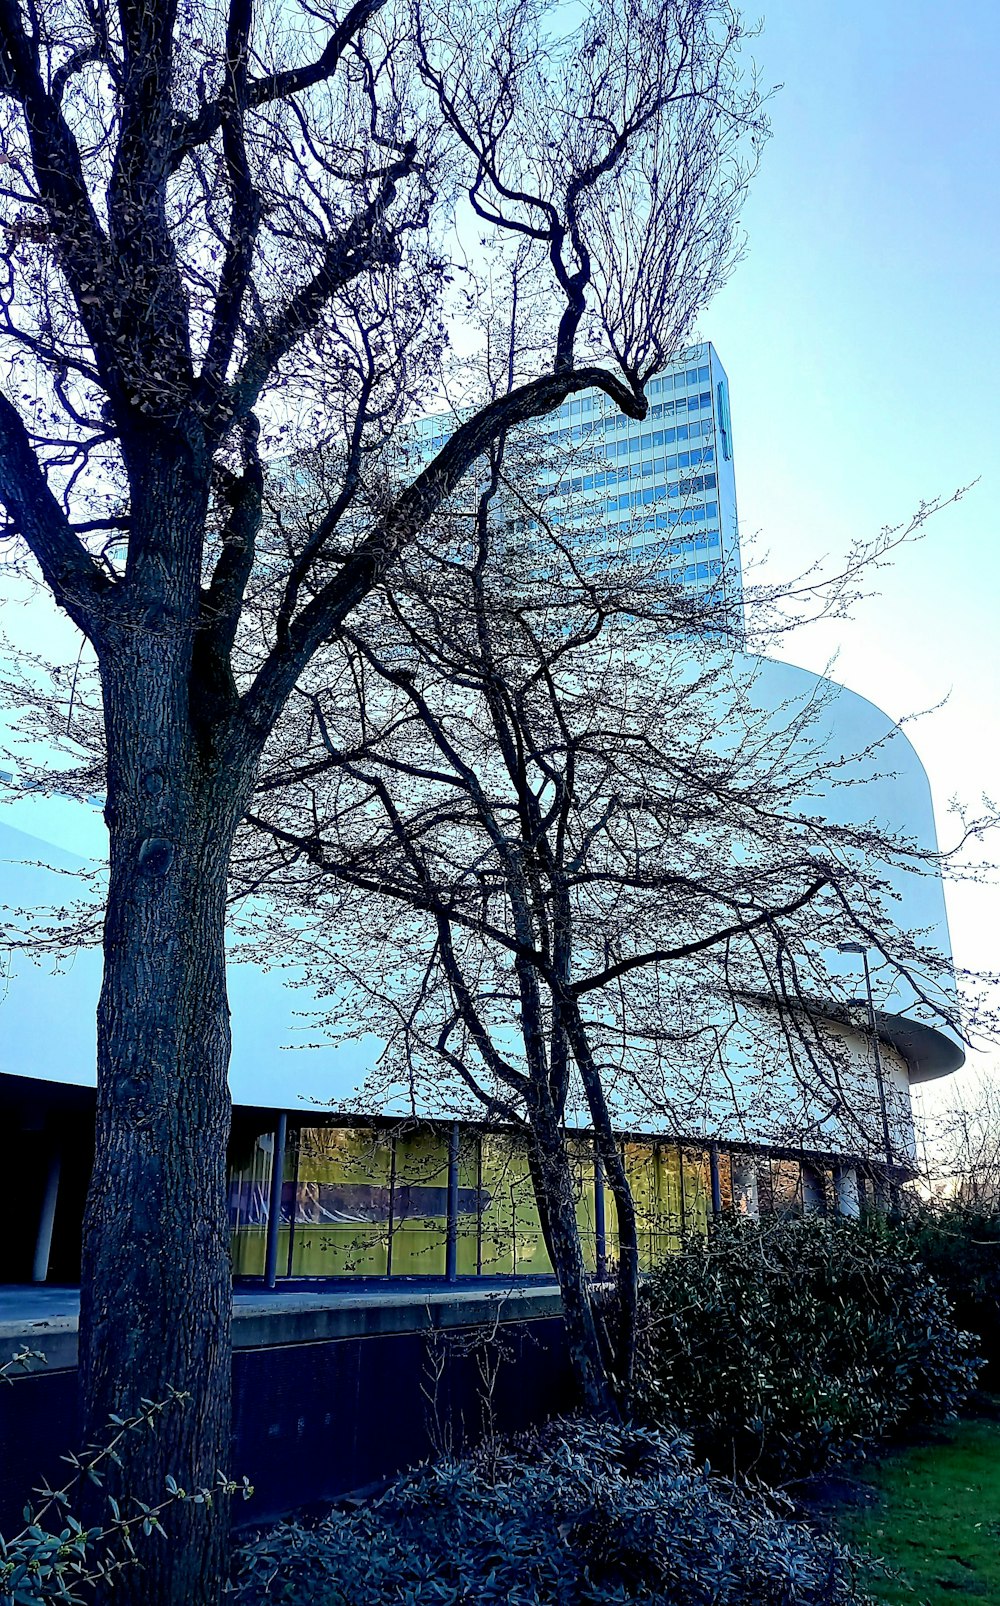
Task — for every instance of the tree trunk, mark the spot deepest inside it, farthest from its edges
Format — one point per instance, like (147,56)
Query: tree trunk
(627,1279)
(554,1182)
(156,1288)
(617,1179)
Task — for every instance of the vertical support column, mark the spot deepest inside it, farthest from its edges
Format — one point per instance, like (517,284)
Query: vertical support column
(391,1228)
(47,1217)
(746,1199)
(274,1201)
(716,1181)
(846,1192)
(451,1244)
(600,1218)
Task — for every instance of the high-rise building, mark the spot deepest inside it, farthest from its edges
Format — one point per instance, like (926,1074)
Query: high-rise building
(664,487)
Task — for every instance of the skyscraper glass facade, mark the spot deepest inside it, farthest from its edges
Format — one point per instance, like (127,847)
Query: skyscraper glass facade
(664,488)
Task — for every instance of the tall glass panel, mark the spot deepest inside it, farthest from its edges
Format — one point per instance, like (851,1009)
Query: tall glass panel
(697,1191)
(469,1243)
(251,1163)
(512,1234)
(581,1159)
(420,1202)
(642,1169)
(341,1202)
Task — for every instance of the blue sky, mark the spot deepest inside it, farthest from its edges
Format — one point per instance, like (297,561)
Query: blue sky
(861,340)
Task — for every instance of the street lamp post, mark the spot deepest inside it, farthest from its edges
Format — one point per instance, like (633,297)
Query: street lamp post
(859,948)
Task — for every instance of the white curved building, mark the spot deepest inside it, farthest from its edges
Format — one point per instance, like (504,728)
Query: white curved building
(380,1195)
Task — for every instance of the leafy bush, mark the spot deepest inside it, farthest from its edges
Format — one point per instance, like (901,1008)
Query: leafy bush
(54,1560)
(960,1246)
(575,1515)
(785,1345)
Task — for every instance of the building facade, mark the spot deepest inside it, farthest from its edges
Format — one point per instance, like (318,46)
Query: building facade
(319,1187)
(664,488)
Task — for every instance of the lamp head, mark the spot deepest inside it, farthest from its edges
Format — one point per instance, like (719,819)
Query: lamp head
(852,948)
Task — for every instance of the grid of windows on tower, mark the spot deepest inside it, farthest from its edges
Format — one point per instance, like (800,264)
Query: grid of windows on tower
(607,477)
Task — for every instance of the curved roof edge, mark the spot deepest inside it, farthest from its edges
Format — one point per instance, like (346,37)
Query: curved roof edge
(895,726)
(929,1052)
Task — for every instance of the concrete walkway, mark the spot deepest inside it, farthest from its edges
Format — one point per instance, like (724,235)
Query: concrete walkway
(47,1319)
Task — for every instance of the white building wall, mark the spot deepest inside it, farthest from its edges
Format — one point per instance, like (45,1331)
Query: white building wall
(47,1004)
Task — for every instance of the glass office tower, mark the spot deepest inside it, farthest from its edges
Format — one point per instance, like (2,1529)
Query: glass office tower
(663,488)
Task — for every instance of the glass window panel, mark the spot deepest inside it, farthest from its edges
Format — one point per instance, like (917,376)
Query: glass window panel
(420,1202)
(341,1201)
(249,1197)
(512,1239)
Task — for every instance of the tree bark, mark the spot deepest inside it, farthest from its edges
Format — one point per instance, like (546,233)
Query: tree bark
(156,1288)
(617,1179)
(554,1180)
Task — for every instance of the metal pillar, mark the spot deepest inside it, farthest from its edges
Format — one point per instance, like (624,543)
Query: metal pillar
(451,1244)
(846,1192)
(46,1219)
(600,1218)
(274,1201)
(716,1181)
(746,1199)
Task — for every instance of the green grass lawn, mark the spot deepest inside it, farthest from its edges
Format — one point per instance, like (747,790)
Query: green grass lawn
(936,1520)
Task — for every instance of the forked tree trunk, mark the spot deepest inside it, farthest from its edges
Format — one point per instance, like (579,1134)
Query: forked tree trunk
(554,1181)
(156,1286)
(627,1315)
(627,1278)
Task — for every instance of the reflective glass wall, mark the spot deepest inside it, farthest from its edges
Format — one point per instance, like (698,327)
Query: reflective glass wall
(373,1201)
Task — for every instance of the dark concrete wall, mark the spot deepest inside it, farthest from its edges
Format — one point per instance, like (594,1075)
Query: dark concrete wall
(317,1420)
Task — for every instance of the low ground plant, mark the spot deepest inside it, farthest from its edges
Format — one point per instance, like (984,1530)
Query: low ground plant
(577,1514)
(791,1343)
(57,1559)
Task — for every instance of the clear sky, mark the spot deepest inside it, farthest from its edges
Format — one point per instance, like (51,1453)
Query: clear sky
(861,336)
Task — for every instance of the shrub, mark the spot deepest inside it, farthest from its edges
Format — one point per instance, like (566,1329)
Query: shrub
(575,1515)
(54,1560)
(788,1344)
(960,1246)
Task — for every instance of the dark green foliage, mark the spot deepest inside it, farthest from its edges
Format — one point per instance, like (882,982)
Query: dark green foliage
(576,1515)
(786,1345)
(960,1246)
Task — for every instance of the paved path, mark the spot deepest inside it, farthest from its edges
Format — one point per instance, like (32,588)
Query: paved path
(47,1319)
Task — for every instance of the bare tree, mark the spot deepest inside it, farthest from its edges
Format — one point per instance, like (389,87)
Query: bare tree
(962,1147)
(541,820)
(229,229)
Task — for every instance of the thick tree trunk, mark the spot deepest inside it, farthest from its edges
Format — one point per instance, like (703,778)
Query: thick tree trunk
(554,1185)
(156,1287)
